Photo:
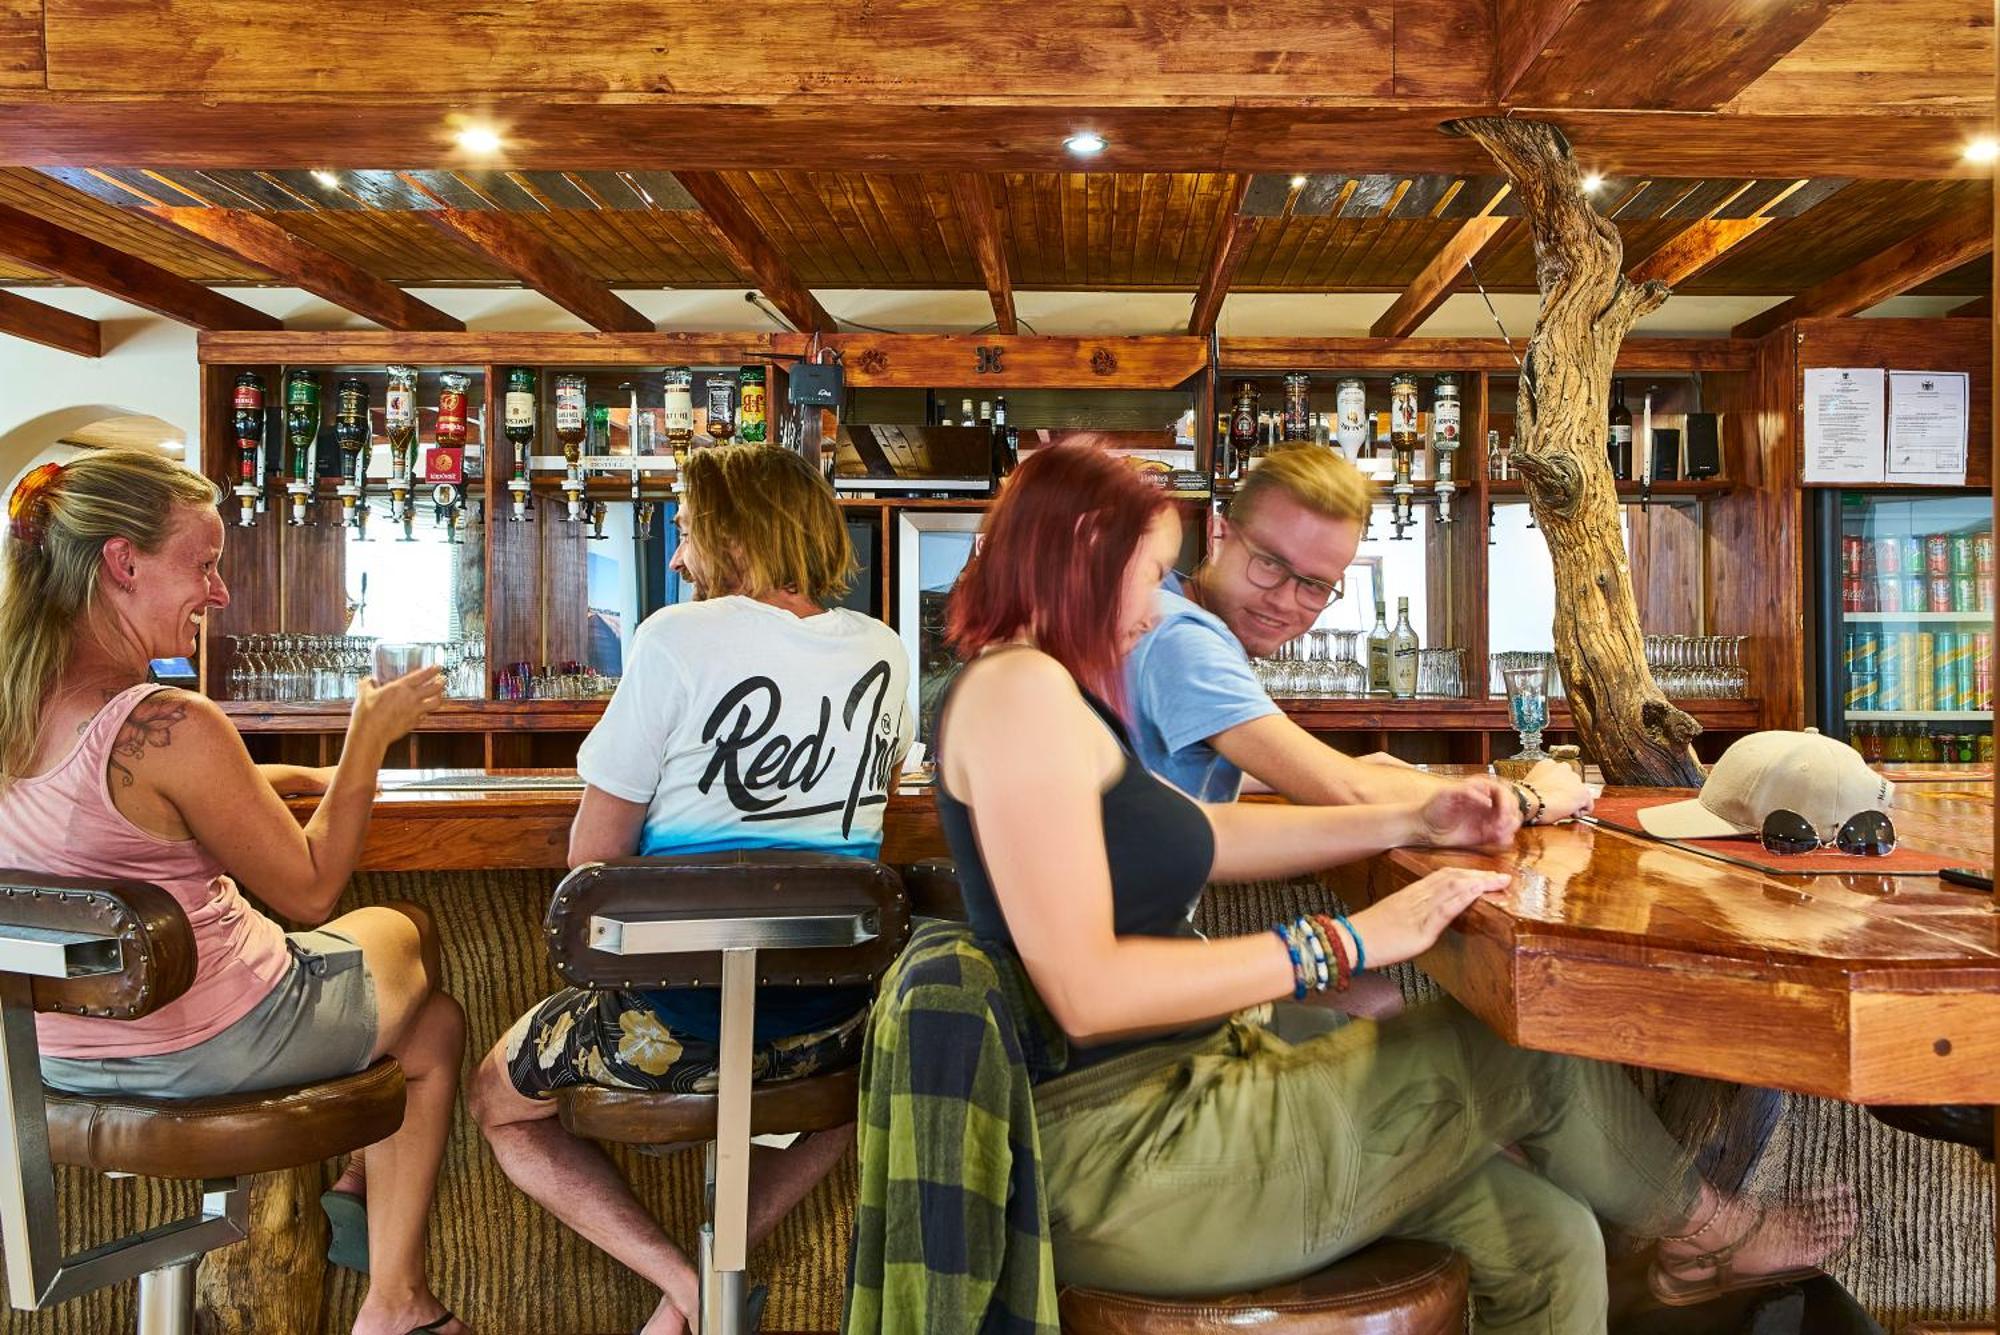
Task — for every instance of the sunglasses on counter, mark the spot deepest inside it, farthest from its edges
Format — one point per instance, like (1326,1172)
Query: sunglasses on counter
(1869,834)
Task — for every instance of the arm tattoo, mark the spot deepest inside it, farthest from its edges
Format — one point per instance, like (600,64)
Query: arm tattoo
(151,724)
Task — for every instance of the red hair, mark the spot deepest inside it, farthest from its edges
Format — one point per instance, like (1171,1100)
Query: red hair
(1052,561)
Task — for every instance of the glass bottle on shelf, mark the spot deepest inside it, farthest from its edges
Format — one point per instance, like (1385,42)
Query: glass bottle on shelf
(1403,654)
(1619,447)
(750,409)
(1378,651)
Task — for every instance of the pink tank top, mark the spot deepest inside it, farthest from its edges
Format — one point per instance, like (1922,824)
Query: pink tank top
(64,822)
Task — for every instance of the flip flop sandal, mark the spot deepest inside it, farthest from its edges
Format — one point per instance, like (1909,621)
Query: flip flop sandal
(1717,1271)
(433,1327)
(348,1244)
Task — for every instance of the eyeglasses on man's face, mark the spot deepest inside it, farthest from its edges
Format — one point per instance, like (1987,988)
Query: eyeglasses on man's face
(1267,571)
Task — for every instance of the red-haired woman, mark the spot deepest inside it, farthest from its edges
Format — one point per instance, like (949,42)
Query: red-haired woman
(1186,1152)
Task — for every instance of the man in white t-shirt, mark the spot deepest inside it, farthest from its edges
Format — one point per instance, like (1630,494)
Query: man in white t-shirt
(754,718)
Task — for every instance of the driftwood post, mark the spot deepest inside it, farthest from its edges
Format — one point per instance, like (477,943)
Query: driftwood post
(1587,309)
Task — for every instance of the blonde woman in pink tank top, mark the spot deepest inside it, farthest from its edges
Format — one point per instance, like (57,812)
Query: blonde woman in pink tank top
(112,561)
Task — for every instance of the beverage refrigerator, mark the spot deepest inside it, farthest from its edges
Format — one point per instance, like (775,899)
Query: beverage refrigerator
(1904,596)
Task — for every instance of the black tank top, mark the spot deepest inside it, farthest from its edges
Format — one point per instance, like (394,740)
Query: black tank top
(1156,839)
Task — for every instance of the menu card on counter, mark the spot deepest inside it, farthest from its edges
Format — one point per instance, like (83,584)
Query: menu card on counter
(1928,412)
(1843,420)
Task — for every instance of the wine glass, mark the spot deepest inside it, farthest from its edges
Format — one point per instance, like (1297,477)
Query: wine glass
(1528,708)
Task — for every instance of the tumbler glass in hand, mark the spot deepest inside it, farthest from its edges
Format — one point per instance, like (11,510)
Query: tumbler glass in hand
(393,660)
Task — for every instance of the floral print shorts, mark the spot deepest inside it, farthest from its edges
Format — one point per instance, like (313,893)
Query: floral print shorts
(612,1038)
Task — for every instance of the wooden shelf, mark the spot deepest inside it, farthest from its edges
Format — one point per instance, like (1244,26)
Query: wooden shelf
(1440,714)
(1707,486)
(1918,715)
(321,716)
(1897,618)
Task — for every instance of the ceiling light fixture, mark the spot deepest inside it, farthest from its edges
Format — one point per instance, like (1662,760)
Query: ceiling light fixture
(1298,182)
(478,139)
(1593,183)
(1085,143)
(327,179)
(1984,149)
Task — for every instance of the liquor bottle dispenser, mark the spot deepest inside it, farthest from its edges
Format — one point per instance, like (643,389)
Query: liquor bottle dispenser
(249,427)
(352,433)
(520,432)
(399,420)
(1445,410)
(301,433)
(569,434)
(444,467)
(1403,442)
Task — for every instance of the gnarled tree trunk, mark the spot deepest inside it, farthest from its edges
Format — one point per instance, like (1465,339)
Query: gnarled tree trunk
(1587,309)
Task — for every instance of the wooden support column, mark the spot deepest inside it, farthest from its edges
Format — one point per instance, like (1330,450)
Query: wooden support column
(50,327)
(1939,248)
(1232,242)
(742,238)
(264,243)
(92,264)
(1441,275)
(981,221)
(1688,252)
(1622,717)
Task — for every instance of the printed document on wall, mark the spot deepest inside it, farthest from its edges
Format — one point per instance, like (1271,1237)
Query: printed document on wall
(1928,413)
(1843,415)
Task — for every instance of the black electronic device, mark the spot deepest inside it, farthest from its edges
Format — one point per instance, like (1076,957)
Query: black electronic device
(1704,445)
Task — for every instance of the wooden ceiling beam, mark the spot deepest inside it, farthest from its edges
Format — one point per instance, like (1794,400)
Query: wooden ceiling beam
(981,220)
(802,133)
(50,327)
(87,263)
(260,241)
(1694,249)
(753,255)
(507,241)
(1663,55)
(1225,256)
(1439,277)
(1958,239)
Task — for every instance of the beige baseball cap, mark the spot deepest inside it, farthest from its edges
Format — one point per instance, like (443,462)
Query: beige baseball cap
(1823,780)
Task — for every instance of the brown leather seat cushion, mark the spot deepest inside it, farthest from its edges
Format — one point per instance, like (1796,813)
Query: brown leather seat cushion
(637,1117)
(1392,1288)
(226,1136)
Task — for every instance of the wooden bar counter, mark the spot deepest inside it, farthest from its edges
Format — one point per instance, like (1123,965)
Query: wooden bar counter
(1857,987)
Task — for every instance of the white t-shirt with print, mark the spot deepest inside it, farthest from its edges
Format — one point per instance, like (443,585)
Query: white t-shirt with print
(741,725)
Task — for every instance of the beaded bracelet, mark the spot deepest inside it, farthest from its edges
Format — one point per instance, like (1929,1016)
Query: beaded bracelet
(1299,988)
(1344,971)
(1360,949)
(1316,949)
(1540,805)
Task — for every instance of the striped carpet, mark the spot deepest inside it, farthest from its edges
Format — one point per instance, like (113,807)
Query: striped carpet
(510,1269)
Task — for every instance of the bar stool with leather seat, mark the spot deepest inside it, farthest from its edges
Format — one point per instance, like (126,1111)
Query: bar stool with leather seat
(118,950)
(734,921)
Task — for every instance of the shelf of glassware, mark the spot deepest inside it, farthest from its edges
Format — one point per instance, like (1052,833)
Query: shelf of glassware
(1458,714)
(1919,716)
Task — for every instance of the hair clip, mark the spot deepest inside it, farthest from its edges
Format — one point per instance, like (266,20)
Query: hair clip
(27,507)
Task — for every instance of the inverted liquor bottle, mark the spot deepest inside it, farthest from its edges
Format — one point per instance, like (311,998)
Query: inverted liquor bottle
(445,467)
(399,423)
(248,423)
(1403,441)
(597,444)
(1445,418)
(569,435)
(519,429)
(677,420)
(352,433)
(301,433)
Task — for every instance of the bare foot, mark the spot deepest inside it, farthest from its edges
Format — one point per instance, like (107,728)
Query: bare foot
(1750,1238)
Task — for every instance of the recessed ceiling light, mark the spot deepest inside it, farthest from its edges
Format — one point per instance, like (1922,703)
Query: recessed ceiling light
(1085,143)
(478,139)
(1298,182)
(1983,149)
(173,446)
(1593,183)
(327,179)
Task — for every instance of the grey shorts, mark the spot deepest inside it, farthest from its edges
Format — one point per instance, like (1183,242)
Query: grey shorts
(318,1023)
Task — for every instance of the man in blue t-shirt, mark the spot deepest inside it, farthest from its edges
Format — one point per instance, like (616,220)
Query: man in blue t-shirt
(1199,717)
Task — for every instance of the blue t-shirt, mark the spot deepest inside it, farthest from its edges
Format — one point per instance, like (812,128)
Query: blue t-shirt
(1189,680)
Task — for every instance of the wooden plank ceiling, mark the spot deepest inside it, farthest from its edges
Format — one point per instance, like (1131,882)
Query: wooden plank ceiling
(1061,231)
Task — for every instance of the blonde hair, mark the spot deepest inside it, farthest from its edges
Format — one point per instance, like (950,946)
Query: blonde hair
(52,568)
(1317,478)
(764,520)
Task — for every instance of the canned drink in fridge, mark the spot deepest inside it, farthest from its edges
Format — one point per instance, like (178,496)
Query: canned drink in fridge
(1913,554)
(1982,671)
(1889,593)
(1919,670)
(1964,593)
(1961,554)
(1982,553)
(1937,554)
(1854,594)
(1938,593)
(1944,671)
(1888,556)
(1986,747)
(1889,674)
(1966,696)
(1853,555)
(1982,593)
